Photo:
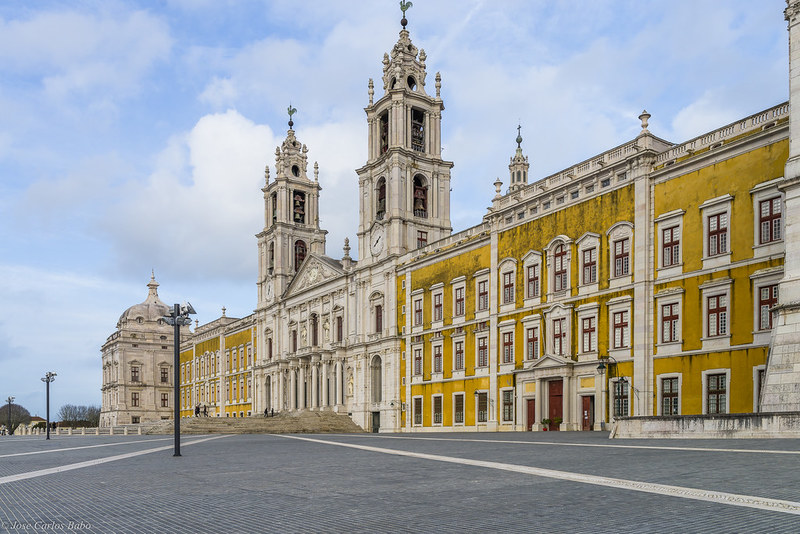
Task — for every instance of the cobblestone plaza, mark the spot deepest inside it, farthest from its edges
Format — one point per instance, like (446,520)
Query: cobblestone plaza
(533,482)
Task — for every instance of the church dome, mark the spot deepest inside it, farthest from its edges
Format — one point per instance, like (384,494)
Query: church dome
(152,309)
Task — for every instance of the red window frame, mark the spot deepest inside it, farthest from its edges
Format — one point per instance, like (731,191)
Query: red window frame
(418,312)
(590,266)
(718,234)
(716,393)
(669,396)
(422,239)
(717,315)
(670,247)
(508,287)
(559,336)
(483,295)
(669,322)
(622,264)
(532,342)
(588,329)
(621,329)
(767,299)
(483,352)
(508,347)
(437,359)
(417,361)
(437,307)
(165,400)
(459,305)
(770,213)
(533,281)
(560,268)
(459,356)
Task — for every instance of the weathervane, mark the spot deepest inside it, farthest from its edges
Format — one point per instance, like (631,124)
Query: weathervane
(291,111)
(404,7)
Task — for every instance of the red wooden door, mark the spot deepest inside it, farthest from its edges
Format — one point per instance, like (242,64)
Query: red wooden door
(555,390)
(587,413)
(531,413)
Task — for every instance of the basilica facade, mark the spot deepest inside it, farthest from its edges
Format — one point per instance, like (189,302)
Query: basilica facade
(645,280)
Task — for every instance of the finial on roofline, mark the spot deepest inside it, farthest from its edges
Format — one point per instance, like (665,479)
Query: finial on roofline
(404,6)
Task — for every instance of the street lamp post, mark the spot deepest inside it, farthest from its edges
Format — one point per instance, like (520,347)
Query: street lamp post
(48,377)
(178,316)
(601,369)
(10,401)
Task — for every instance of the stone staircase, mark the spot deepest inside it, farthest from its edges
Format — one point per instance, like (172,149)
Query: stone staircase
(285,423)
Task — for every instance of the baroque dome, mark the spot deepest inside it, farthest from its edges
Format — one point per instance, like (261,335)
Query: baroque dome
(152,309)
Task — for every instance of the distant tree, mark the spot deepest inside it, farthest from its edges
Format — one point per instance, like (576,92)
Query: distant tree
(19,416)
(78,416)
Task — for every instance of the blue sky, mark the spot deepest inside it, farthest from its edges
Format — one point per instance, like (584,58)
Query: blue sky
(134,135)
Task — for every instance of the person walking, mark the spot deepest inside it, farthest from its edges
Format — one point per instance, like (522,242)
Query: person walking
(197,410)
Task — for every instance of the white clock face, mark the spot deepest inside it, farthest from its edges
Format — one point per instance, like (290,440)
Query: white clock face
(376,241)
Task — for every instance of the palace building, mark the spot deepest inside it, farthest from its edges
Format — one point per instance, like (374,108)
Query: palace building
(649,279)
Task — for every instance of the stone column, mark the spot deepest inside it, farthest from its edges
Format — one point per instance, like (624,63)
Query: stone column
(325,384)
(340,384)
(301,384)
(293,390)
(781,389)
(314,384)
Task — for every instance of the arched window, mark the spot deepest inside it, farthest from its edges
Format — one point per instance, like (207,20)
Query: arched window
(560,270)
(377,381)
(380,207)
(417,130)
(384,130)
(299,254)
(271,256)
(420,196)
(299,209)
(274,202)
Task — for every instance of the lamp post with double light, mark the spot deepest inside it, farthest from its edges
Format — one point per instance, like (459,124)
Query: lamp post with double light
(48,377)
(10,401)
(178,316)
(613,367)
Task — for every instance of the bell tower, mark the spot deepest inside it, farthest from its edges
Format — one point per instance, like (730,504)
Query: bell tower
(291,218)
(518,167)
(404,188)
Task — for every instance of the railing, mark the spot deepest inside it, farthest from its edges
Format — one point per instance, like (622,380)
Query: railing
(752,123)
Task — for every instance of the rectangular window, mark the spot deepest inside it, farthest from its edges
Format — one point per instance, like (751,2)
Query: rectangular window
(533,281)
(669,323)
(560,270)
(339,328)
(294,340)
(670,247)
(716,393)
(165,400)
(508,405)
(621,330)
(508,347)
(483,407)
(508,288)
(437,307)
(770,220)
(622,265)
(458,363)
(717,315)
(588,332)
(669,396)
(422,239)
(483,352)
(417,361)
(590,266)
(621,398)
(378,319)
(437,410)
(532,343)
(559,336)
(458,408)
(437,359)
(717,234)
(459,304)
(269,348)
(164,375)
(767,299)
(418,312)
(134,374)
(135,399)
(483,295)
(418,411)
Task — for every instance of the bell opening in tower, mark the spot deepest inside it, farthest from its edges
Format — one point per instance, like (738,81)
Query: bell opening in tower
(418,130)
(420,197)
(380,208)
(299,254)
(384,131)
(274,202)
(299,207)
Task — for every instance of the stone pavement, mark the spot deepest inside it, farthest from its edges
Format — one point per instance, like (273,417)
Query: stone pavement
(498,482)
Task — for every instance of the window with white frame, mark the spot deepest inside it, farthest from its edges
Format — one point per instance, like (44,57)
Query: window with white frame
(768,209)
(418,312)
(670,316)
(508,347)
(458,355)
(670,396)
(508,405)
(482,297)
(508,287)
(560,264)
(437,306)
(588,334)
(559,336)
(458,409)
(669,231)
(483,352)
(458,301)
(621,329)
(417,411)
(437,409)
(482,402)
(622,260)
(621,401)
(770,220)
(767,299)
(532,343)
(670,246)
(589,269)
(418,360)
(532,281)
(437,358)
(716,393)
(717,315)
(717,234)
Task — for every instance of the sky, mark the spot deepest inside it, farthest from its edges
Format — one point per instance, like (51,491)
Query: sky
(134,134)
